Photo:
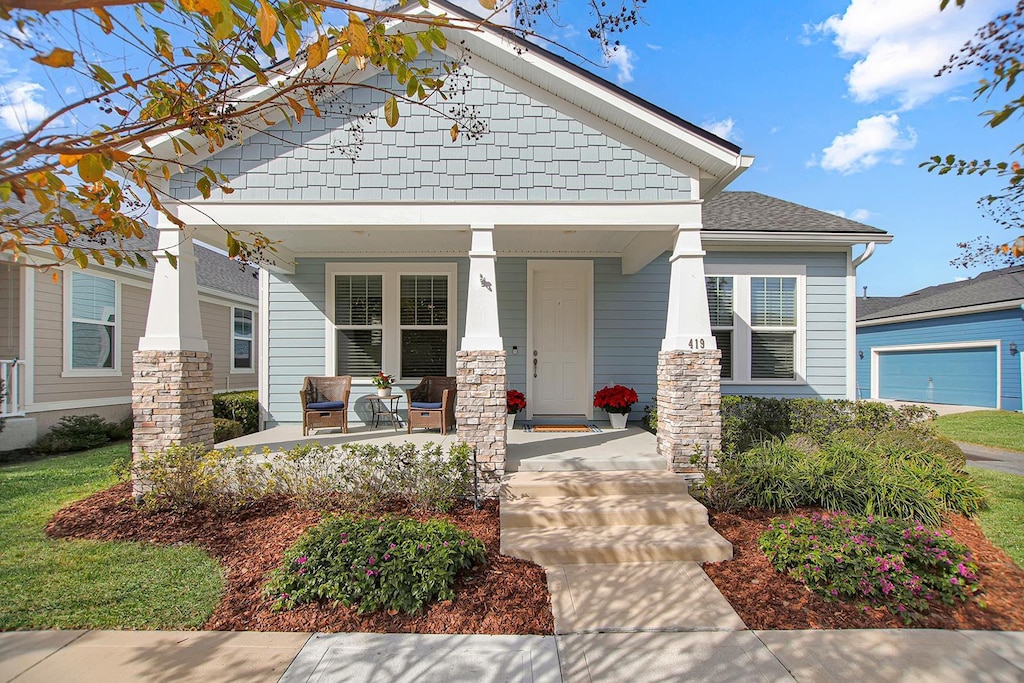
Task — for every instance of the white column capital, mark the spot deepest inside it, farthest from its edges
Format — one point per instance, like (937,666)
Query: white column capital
(174,321)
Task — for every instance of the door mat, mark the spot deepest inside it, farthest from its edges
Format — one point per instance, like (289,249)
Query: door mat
(561,428)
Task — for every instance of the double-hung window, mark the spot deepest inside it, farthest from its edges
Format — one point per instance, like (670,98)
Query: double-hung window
(756,322)
(91,342)
(391,317)
(241,339)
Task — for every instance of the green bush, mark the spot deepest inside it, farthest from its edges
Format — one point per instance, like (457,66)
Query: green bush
(82,432)
(224,429)
(900,565)
(376,564)
(855,476)
(749,420)
(241,406)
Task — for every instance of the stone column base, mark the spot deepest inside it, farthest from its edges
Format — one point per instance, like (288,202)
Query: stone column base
(172,401)
(480,412)
(689,405)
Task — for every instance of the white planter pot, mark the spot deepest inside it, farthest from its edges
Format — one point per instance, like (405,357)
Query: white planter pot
(618,420)
(510,420)
(384,393)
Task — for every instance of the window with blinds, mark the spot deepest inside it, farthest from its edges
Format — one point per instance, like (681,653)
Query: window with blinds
(93,322)
(423,304)
(359,323)
(720,306)
(241,339)
(773,326)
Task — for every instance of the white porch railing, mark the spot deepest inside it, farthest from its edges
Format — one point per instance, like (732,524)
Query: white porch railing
(10,388)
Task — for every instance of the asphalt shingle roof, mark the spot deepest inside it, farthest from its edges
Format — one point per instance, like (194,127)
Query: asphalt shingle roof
(874,304)
(994,286)
(741,211)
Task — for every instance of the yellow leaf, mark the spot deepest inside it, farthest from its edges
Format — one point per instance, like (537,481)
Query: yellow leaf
(56,276)
(356,36)
(106,23)
(391,111)
(58,253)
(455,132)
(312,105)
(487,4)
(80,258)
(266,19)
(58,58)
(317,53)
(292,40)
(296,107)
(207,8)
(61,236)
(90,168)
(119,155)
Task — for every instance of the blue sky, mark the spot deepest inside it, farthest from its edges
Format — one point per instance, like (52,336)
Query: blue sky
(837,102)
(835,99)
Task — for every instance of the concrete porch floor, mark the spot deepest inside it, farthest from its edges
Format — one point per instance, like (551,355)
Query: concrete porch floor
(632,448)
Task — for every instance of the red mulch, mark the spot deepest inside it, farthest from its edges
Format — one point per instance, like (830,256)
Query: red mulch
(767,599)
(503,596)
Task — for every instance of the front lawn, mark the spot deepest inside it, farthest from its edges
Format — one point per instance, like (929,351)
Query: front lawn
(1002,521)
(995,428)
(47,583)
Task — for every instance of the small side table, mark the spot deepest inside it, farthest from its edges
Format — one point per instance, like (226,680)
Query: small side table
(385,407)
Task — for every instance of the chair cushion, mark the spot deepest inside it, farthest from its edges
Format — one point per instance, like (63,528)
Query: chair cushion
(426,405)
(325,405)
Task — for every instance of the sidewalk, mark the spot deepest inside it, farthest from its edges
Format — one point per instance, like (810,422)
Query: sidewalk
(997,459)
(884,655)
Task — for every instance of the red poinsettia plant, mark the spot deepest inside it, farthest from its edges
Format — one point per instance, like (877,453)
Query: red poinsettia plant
(515,401)
(616,399)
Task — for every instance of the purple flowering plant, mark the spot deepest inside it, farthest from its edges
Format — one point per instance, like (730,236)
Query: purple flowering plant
(389,563)
(903,566)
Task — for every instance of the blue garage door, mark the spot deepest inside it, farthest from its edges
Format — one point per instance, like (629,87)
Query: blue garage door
(956,376)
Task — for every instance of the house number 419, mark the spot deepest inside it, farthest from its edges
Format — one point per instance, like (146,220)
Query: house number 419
(697,343)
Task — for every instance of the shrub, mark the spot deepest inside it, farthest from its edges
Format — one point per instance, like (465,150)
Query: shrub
(389,563)
(241,406)
(902,566)
(188,477)
(81,432)
(427,478)
(915,440)
(651,417)
(749,420)
(224,429)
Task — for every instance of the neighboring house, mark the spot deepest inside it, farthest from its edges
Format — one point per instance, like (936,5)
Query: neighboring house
(956,343)
(66,345)
(581,239)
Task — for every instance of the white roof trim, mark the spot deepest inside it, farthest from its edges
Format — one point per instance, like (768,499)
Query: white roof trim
(769,238)
(945,313)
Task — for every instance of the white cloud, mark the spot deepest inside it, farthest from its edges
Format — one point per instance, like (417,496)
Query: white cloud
(900,46)
(623,59)
(859,215)
(20,106)
(874,139)
(725,129)
(652,46)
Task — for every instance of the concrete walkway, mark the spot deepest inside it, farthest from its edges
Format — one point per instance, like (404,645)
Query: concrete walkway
(648,657)
(993,458)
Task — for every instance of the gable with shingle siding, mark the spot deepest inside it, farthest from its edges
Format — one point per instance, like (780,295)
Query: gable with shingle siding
(529,152)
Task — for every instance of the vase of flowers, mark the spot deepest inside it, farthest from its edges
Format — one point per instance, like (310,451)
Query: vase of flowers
(617,401)
(515,403)
(383,382)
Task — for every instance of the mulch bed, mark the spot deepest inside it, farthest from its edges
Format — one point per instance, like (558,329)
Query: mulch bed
(503,596)
(767,599)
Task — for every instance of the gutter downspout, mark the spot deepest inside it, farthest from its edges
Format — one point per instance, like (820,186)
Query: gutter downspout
(869,250)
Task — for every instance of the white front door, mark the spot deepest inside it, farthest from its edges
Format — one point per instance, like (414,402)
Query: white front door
(559,365)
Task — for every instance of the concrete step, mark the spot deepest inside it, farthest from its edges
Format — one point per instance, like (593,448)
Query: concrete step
(565,462)
(549,484)
(611,510)
(615,544)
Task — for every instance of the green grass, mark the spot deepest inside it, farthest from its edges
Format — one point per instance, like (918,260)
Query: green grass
(1004,520)
(48,583)
(996,428)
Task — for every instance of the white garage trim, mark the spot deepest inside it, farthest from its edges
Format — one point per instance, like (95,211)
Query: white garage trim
(992,343)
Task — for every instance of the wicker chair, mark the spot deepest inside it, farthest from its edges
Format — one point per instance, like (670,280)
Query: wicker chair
(432,404)
(325,403)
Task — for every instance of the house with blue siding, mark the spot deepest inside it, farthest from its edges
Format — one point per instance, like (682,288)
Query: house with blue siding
(574,236)
(956,343)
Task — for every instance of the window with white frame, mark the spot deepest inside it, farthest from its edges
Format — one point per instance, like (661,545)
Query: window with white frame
(397,319)
(720,305)
(756,322)
(92,328)
(241,339)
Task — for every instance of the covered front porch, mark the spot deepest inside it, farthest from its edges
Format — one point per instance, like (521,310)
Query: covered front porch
(633,448)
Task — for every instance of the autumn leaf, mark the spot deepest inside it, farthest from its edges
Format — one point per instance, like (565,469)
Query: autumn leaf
(266,19)
(356,36)
(296,107)
(60,234)
(292,40)
(487,4)
(207,8)
(80,258)
(106,22)
(455,132)
(391,111)
(57,59)
(312,105)
(317,53)
(90,168)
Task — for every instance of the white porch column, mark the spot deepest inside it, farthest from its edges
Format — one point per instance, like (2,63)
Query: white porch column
(480,365)
(689,365)
(482,330)
(172,381)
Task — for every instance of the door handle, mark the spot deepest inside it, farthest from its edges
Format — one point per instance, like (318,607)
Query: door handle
(535,368)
